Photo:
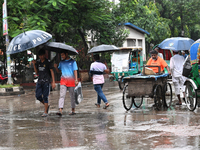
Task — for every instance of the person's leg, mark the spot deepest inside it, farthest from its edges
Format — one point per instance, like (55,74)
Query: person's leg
(98,97)
(72,97)
(46,91)
(63,90)
(177,92)
(38,92)
(98,89)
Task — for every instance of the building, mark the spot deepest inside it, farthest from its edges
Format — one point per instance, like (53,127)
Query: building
(136,38)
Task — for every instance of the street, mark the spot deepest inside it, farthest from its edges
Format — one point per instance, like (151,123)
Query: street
(22,127)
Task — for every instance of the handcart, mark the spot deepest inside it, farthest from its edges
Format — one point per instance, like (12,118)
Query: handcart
(125,62)
(154,86)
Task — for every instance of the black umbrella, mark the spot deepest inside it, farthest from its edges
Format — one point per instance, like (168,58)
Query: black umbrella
(103,48)
(60,47)
(28,40)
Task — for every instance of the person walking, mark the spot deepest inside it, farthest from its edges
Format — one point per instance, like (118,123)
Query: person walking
(44,69)
(96,70)
(69,80)
(176,67)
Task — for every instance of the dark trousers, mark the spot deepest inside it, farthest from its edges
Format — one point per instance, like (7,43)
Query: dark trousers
(100,95)
(42,91)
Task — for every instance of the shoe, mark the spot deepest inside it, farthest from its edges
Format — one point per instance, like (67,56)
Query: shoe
(72,113)
(59,114)
(107,105)
(48,109)
(98,105)
(178,103)
(44,115)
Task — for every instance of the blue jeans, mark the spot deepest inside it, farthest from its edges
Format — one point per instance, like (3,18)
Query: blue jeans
(42,91)
(100,95)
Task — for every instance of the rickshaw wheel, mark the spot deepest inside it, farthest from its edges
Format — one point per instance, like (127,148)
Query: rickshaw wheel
(137,101)
(167,94)
(127,101)
(121,83)
(190,96)
(158,97)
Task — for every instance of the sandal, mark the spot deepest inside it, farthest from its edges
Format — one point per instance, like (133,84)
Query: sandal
(107,105)
(44,115)
(59,114)
(98,105)
(72,113)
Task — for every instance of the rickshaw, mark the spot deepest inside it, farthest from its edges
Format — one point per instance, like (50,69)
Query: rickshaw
(141,85)
(193,81)
(125,62)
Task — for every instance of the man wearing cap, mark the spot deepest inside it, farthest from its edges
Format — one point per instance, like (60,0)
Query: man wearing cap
(155,60)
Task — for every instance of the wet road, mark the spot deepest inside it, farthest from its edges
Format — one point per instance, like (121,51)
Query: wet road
(22,127)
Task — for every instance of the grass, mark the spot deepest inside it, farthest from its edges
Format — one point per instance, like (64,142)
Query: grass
(9,85)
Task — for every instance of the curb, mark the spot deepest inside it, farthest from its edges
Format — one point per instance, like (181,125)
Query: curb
(11,91)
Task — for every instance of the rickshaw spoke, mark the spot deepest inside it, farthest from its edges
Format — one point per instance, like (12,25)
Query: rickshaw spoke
(190,96)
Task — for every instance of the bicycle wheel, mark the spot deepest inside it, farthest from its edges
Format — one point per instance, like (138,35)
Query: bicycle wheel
(121,83)
(137,101)
(127,100)
(167,97)
(190,96)
(158,97)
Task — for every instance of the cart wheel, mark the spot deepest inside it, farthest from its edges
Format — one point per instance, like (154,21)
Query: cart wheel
(127,101)
(167,97)
(190,96)
(158,97)
(121,83)
(137,101)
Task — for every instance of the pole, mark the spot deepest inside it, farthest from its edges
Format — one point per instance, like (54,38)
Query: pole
(5,32)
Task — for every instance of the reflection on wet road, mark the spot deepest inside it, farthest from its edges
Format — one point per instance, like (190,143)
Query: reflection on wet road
(22,127)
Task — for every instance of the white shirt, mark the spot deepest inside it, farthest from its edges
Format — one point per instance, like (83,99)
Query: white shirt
(176,65)
(98,66)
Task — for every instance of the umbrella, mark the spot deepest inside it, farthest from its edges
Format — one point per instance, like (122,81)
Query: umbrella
(195,52)
(103,48)
(28,40)
(60,47)
(176,43)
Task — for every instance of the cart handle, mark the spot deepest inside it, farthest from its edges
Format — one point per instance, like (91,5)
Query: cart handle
(159,71)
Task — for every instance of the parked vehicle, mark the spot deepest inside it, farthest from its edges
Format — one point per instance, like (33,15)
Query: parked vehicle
(128,61)
(3,79)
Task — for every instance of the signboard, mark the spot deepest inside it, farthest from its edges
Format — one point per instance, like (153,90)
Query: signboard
(5,22)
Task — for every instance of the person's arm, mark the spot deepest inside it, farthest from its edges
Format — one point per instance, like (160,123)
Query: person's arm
(35,69)
(76,77)
(168,69)
(106,69)
(53,79)
(56,67)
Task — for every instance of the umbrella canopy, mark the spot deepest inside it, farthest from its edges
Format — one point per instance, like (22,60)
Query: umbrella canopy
(60,47)
(176,43)
(103,48)
(195,52)
(28,40)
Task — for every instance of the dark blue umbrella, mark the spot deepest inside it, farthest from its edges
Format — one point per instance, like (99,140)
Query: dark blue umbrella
(176,43)
(60,47)
(28,40)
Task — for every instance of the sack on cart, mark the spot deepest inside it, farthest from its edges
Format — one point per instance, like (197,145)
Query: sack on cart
(78,93)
